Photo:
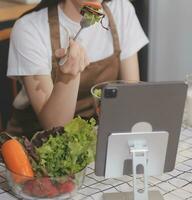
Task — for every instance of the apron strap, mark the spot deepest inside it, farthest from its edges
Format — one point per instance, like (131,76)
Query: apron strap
(53,19)
(113,28)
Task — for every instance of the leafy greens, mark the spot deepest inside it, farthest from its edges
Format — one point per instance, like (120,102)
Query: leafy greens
(70,152)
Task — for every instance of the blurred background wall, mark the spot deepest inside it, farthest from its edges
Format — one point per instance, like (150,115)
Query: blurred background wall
(168,26)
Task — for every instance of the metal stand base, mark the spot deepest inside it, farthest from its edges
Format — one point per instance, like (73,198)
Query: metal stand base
(153,195)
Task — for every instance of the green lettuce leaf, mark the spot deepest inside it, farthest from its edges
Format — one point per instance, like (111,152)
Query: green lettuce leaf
(70,152)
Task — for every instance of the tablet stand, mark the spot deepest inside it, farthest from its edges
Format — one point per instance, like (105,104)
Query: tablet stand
(147,152)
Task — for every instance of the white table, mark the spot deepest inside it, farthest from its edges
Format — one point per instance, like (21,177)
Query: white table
(176,185)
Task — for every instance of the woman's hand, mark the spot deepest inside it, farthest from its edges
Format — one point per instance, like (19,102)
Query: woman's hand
(55,103)
(76,59)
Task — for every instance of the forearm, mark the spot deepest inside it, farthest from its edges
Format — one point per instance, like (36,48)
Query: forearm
(55,104)
(129,69)
(60,107)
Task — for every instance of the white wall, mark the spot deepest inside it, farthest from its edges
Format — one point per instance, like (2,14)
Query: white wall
(170,54)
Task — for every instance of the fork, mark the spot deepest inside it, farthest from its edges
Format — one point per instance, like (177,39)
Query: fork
(84,24)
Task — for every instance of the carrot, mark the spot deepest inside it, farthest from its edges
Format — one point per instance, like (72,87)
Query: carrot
(94,5)
(16,160)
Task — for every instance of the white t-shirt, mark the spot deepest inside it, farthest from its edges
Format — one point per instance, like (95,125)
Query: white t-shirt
(30,50)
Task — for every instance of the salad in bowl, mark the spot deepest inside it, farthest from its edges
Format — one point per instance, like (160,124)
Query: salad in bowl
(52,164)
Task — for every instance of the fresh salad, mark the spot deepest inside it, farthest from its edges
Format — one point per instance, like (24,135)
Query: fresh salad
(92,12)
(50,163)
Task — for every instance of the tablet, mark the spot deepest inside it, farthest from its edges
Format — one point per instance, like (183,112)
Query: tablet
(145,106)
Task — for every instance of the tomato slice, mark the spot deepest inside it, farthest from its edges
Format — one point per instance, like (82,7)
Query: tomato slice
(94,5)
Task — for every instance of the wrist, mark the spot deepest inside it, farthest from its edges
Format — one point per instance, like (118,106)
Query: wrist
(66,77)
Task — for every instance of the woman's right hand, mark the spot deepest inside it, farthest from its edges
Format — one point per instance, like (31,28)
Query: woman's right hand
(77,59)
(55,103)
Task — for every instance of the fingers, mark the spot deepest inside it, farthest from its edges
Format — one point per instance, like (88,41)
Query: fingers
(72,64)
(84,61)
(82,64)
(76,60)
(59,53)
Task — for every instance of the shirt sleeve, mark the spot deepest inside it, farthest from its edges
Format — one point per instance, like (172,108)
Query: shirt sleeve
(27,52)
(132,37)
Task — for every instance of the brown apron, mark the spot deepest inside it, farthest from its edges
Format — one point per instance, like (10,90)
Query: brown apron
(25,122)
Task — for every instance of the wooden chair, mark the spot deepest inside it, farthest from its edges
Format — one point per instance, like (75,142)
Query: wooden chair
(8,87)
(10,11)
(1,126)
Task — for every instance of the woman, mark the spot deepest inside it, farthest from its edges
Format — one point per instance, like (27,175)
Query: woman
(53,93)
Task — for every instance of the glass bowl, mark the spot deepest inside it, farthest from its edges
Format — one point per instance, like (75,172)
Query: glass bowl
(96,91)
(45,187)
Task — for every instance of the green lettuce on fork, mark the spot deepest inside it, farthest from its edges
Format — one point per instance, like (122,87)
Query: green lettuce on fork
(92,13)
(63,151)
